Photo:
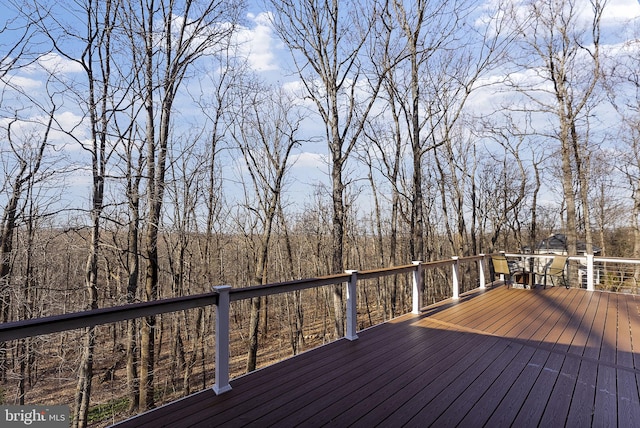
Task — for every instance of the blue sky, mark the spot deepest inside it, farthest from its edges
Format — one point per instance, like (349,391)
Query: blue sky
(270,60)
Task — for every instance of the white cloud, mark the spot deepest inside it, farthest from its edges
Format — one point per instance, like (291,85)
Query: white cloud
(54,63)
(257,43)
(68,120)
(621,10)
(309,160)
(615,13)
(65,122)
(23,83)
(293,87)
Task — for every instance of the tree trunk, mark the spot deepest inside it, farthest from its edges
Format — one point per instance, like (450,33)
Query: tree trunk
(133,386)
(85,371)
(252,354)
(337,237)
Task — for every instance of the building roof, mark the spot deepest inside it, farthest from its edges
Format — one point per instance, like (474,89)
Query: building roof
(558,242)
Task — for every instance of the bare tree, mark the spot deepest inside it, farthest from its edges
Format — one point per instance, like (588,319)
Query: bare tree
(437,70)
(17,29)
(189,31)
(129,129)
(95,59)
(383,154)
(215,100)
(505,181)
(328,39)
(623,89)
(183,191)
(133,152)
(418,48)
(17,52)
(565,42)
(26,160)
(266,132)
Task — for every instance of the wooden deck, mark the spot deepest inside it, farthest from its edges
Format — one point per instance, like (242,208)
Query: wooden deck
(504,357)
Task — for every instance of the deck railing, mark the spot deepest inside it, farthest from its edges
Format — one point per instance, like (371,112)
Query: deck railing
(222,296)
(604,273)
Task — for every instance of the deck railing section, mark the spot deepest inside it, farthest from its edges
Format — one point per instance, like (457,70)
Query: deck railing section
(222,296)
(615,274)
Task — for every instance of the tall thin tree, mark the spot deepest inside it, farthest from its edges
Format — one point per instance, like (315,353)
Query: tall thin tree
(328,39)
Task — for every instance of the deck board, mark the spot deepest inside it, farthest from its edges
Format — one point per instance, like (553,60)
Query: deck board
(404,383)
(484,408)
(574,318)
(534,405)
(634,321)
(628,404)
(455,408)
(372,392)
(624,349)
(516,394)
(559,400)
(434,397)
(502,357)
(582,399)
(605,412)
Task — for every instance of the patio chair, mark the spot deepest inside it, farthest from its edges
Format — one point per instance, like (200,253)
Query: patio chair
(501,267)
(555,271)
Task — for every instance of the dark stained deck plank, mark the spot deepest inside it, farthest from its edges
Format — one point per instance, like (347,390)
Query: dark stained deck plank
(634,321)
(322,392)
(370,394)
(354,393)
(551,323)
(605,407)
(628,401)
(583,329)
(534,405)
(594,341)
(579,308)
(322,381)
(517,393)
(454,378)
(470,380)
(487,404)
(433,376)
(507,315)
(609,344)
(475,313)
(316,366)
(583,398)
(376,396)
(500,357)
(624,348)
(456,408)
(557,406)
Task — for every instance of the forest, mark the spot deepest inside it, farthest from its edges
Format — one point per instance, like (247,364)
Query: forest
(152,149)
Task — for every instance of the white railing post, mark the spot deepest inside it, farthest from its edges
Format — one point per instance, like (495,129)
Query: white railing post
(456,283)
(222,340)
(590,281)
(481,277)
(352,306)
(417,287)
